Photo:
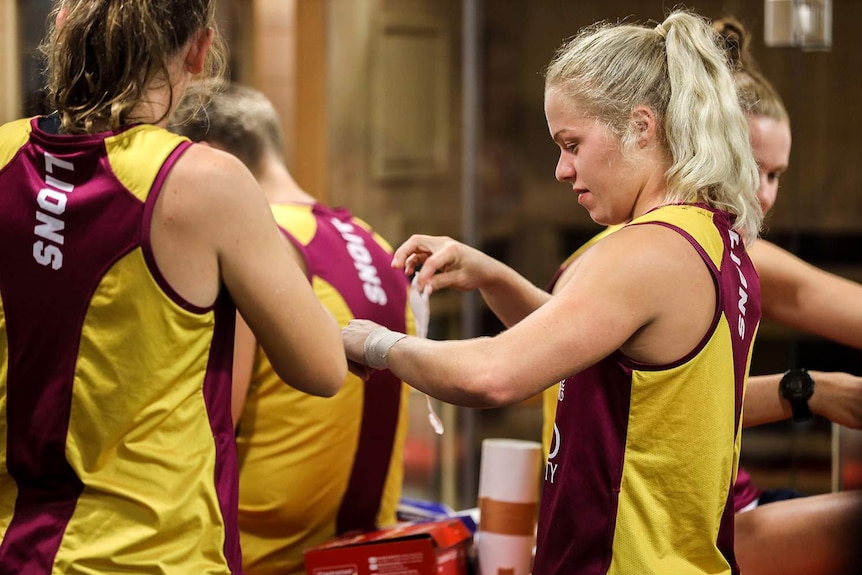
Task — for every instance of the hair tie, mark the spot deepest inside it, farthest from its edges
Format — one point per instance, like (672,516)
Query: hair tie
(661,31)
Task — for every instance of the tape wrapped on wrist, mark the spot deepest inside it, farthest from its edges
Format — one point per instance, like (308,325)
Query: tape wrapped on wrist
(378,344)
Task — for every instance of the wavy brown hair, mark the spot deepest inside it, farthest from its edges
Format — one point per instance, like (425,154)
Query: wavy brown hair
(104,54)
(756,94)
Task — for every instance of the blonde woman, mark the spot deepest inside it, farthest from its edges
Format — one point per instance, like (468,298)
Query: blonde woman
(650,332)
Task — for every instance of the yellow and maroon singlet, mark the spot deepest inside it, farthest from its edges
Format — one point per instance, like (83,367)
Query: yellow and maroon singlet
(312,468)
(117,445)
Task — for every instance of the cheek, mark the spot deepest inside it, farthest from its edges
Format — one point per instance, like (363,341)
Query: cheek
(766,194)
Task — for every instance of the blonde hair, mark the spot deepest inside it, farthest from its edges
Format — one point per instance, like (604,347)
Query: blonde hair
(679,72)
(103,54)
(756,94)
(236,118)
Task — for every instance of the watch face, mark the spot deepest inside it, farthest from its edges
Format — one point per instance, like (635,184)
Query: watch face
(796,385)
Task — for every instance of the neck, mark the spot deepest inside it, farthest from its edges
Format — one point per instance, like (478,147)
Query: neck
(155,104)
(278,185)
(653,192)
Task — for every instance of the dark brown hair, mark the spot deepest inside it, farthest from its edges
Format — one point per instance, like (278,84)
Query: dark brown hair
(756,94)
(103,55)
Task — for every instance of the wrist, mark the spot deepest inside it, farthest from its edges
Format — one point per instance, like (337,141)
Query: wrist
(377,345)
(797,387)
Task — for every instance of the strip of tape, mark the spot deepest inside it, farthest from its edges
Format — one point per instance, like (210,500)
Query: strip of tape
(507,518)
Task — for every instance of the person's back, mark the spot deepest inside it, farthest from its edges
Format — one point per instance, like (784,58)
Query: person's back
(117,307)
(313,468)
(116,368)
(310,468)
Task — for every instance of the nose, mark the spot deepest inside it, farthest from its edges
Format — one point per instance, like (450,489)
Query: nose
(565,170)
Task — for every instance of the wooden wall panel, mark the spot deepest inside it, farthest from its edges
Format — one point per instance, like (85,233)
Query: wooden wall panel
(10,83)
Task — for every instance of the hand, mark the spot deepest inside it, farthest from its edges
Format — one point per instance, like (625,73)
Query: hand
(363,372)
(837,397)
(444,263)
(353,336)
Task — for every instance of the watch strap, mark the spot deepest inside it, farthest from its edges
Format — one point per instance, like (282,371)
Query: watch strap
(801,411)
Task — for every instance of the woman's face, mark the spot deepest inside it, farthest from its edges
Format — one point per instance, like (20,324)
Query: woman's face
(770,141)
(591,161)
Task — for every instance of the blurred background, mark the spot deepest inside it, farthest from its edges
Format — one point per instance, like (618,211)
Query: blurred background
(426,116)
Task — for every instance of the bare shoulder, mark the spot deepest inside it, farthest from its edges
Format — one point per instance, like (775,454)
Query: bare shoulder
(650,284)
(205,177)
(214,195)
(641,265)
(642,247)
(208,205)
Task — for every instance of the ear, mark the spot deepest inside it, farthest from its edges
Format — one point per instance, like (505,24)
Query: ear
(198,50)
(643,125)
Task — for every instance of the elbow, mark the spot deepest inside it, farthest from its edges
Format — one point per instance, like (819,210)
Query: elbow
(492,389)
(323,376)
(330,376)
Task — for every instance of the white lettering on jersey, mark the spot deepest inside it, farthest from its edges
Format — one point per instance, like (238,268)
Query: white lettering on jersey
(743,285)
(362,260)
(550,466)
(51,206)
(562,394)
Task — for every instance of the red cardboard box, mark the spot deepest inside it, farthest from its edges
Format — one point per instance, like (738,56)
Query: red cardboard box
(428,548)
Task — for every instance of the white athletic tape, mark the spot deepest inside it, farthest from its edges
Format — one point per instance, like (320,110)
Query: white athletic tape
(377,345)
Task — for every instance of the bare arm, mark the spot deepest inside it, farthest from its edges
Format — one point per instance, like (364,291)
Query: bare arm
(446,263)
(837,397)
(244,351)
(817,535)
(244,347)
(212,222)
(807,298)
(604,307)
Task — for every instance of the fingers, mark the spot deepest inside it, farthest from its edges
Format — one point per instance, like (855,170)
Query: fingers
(437,261)
(361,371)
(413,252)
(419,249)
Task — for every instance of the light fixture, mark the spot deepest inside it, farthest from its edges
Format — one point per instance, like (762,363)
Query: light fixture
(803,23)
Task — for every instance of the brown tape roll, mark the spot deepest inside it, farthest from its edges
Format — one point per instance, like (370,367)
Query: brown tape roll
(507,518)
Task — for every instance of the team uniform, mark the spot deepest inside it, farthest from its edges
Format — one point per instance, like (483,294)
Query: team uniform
(640,474)
(550,395)
(746,494)
(118,452)
(312,467)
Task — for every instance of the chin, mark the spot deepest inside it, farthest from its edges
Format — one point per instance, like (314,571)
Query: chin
(605,219)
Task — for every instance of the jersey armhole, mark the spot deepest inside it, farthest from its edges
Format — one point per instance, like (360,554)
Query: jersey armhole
(146,224)
(714,274)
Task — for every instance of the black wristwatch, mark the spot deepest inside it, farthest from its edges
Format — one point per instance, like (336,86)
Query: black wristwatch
(796,387)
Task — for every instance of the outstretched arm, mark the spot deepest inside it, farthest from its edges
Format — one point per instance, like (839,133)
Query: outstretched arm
(446,263)
(626,293)
(837,397)
(245,350)
(215,223)
(799,295)
(809,299)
